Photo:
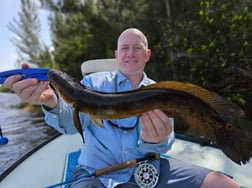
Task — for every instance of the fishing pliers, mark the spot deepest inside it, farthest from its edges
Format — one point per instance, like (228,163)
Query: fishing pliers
(38,73)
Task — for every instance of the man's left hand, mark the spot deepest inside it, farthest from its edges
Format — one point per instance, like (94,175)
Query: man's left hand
(155,125)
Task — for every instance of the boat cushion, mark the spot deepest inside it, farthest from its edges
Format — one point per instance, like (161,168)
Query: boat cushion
(71,163)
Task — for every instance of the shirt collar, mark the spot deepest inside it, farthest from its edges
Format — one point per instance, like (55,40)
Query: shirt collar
(121,78)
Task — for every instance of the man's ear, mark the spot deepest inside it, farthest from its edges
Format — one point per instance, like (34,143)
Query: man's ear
(148,53)
(116,54)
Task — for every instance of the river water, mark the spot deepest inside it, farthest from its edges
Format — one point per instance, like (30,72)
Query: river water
(23,130)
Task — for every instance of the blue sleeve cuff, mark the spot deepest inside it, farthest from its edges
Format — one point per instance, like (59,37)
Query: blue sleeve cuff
(60,118)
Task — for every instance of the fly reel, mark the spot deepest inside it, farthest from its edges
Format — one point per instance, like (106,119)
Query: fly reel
(146,175)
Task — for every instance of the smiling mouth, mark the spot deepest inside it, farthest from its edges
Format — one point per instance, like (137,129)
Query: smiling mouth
(131,61)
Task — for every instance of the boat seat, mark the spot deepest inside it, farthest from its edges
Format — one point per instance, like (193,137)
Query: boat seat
(98,65)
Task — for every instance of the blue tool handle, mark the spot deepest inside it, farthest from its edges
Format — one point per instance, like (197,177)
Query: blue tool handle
(38,73)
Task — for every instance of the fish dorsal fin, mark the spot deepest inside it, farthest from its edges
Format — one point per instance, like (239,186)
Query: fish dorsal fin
(221,105)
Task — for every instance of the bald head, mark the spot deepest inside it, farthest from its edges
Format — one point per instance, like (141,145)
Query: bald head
(132,54)
(132,31)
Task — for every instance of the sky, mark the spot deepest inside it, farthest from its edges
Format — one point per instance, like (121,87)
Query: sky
(9,9)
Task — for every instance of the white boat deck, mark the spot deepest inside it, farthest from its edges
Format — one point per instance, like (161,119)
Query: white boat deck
(46,166)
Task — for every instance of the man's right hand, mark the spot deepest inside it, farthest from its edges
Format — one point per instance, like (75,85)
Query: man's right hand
(31,90)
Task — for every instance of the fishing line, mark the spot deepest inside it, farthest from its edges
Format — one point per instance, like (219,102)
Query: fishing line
(71,181)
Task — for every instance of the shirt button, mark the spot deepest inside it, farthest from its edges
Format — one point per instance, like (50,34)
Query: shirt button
(125,152)
(125,132)
(54,116)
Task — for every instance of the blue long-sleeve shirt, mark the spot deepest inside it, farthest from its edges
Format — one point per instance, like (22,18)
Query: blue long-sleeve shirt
(109,145)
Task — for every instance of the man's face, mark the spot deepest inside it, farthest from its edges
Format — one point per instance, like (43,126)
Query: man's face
(132,53)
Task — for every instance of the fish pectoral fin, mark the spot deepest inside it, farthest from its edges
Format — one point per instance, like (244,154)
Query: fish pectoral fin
(77,123)
(96,121)
(199,125)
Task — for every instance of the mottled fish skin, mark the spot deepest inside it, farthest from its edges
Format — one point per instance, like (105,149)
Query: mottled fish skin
(206,111)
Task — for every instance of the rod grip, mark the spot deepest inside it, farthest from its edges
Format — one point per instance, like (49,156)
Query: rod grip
(116,167)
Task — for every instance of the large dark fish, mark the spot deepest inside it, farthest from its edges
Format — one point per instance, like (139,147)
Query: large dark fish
(206,111)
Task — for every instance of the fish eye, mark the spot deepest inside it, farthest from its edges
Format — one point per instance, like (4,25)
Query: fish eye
(229,126)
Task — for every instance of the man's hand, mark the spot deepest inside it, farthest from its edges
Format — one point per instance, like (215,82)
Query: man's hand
(31,90)
(155,125)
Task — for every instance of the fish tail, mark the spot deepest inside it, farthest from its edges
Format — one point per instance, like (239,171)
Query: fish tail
(235,144)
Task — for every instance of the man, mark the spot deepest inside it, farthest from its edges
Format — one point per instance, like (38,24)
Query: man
(121,139)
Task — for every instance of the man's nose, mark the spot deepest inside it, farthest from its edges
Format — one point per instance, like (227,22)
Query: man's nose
(131,52)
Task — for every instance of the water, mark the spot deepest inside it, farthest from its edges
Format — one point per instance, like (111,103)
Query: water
(23,130)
